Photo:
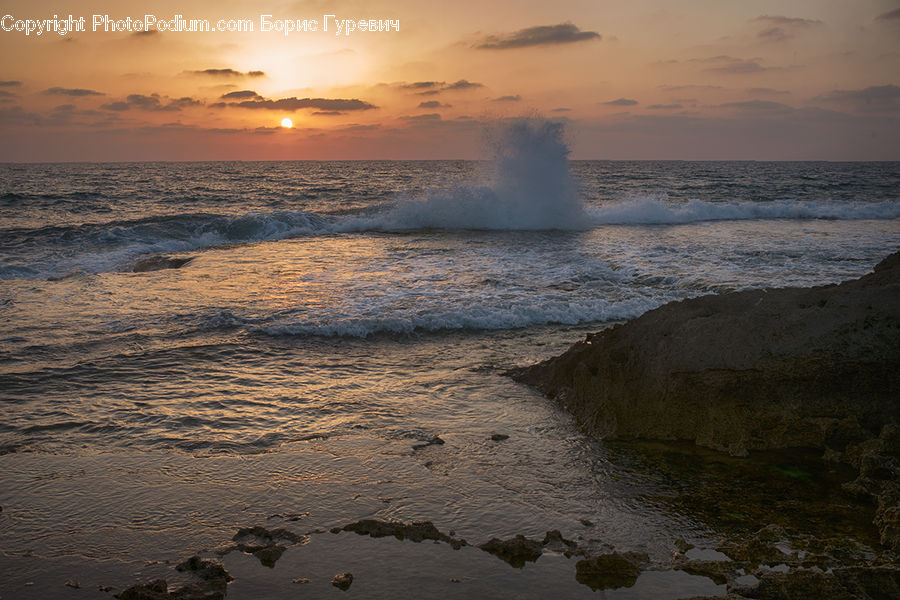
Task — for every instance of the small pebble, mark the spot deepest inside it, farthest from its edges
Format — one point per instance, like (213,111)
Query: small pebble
(499,437)
(342,580)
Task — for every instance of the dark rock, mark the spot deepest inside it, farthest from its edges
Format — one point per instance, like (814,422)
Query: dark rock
(607,571)
(499,437)
(73,583)
(516,551)
(266,545)
(416,532)
(586,522)
(854,583)
(154,590)
(554,541)
(342,580)
(719,571)
(815,368)
(156,263)
(205,568)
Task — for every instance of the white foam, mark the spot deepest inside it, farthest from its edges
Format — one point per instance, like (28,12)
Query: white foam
(532,189)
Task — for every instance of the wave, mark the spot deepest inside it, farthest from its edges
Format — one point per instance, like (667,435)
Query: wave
(463,317)
(531,189)
(660,211)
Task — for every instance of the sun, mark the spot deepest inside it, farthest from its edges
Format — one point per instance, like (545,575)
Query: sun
(285,122)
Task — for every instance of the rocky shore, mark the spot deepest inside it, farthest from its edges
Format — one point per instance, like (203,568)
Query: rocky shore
(814,368)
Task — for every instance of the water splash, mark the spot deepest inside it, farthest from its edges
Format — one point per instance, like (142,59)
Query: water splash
(531,189)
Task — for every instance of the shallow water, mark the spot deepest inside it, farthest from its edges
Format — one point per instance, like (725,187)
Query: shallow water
(334,319)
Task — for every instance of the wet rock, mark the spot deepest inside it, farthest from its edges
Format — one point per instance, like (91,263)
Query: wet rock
(741,371)
(205,568)
(154,590)
(719,571)
(73,583)
(555,542)
(769,545)
(586,522)
(266,545)
(434,441)
(499,437)
(416,532)
(156,263)
(516,551)
(301,580)
(607,571)
(342,581)
(853,583)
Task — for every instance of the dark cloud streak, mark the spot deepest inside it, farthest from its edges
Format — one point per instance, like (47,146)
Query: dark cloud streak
(543,35)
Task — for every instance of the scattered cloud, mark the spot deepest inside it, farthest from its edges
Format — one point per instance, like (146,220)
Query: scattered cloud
(764,90)
(515,98)
(893,15)
(226,73)
(328,113)
(779,28)
(153,103)
(873,98)
(665,106)
(241,95)
(729,65)
(682,88)
(621,102)
(10,83)
(293,104)
(433,104)
(782,21)
(149,33)
(58,91)
(5,94)
(561,109)
(430,93)
(758,106)
(422,85)
(543,35)
(427,117)
(463,84)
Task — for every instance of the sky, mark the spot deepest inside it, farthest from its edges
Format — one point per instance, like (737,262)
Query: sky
(635,79)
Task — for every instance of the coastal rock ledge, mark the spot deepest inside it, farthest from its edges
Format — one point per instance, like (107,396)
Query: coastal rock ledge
(753,370)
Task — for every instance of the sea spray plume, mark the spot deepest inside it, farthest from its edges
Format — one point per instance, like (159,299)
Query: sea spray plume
(531,189)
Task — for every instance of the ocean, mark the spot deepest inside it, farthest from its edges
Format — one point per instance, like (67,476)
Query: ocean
(334,348)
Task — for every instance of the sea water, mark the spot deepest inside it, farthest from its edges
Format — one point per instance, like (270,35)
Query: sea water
(336,318)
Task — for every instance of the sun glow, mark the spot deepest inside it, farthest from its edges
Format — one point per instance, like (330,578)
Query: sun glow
(285,122)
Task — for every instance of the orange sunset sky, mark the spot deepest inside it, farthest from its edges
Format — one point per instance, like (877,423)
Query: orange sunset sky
(636,79)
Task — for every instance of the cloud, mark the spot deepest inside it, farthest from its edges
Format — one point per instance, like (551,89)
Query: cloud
(241,95)
(765,90)
(226,73)
(328,113)
(463,84)
(728,65)
(889,16)
(5,94)
(10,83)
(543,35)
(430,93)
(515,98)
(758,106)
(428,117)
(58,91)
(781,28)
(873,98)
(682,88)
(665,106)
(782,21)
(149,33)
(561,109)
(293,104)
(433,104)
(621,102)
(422,85)
(152,103)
